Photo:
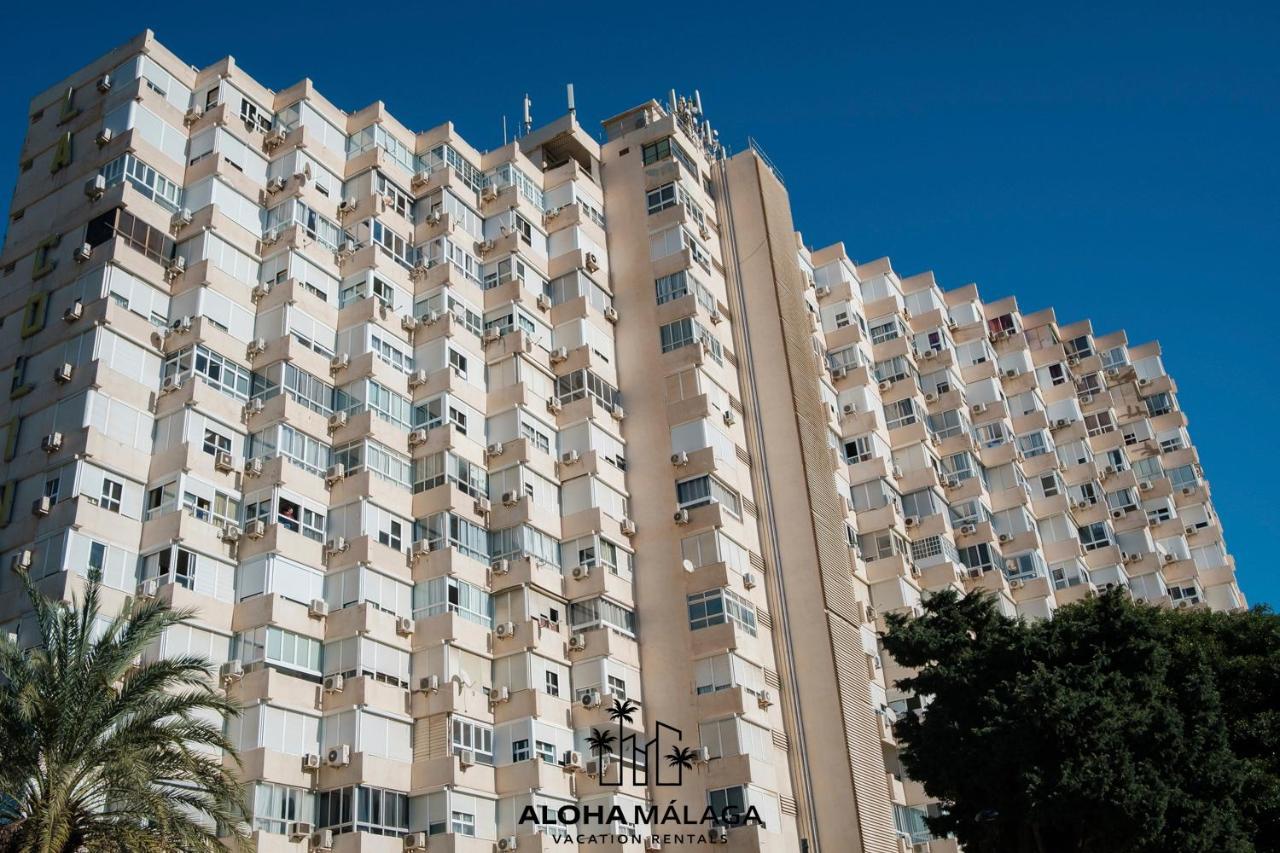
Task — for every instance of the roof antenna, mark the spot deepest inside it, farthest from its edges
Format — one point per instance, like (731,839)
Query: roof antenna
(528,113)
(672,101)
(504,130)
(572,108)
(697,102)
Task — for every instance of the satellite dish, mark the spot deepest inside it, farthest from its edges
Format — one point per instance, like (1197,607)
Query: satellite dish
(688,565)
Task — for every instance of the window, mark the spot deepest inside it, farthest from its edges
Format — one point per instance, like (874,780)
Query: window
(112,493)
(520,749)
(715,606)
(364,809)
(552,683)
(477,737)
(1159,404)
(900,413)
(1094,536)
(391,535)
(215,442)
(1099,423)
(601,613)
(727,802)
(704,490)
(463,823)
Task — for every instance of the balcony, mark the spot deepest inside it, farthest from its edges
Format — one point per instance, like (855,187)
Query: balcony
(605,642)
(534,774)
(452,628)
(448,771)
(452,698)
(533,703)
(532,572)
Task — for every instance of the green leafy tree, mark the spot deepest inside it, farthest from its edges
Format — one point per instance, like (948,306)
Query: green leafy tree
(1113,726)
(99,753)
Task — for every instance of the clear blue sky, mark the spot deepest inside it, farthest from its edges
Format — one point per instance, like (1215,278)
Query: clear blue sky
(1118,164)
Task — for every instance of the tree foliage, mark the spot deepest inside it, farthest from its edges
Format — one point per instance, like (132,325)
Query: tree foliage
(1113,726)
(101,753)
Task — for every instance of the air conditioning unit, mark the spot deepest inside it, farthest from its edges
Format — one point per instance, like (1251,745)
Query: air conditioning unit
(911,520)
(299,830)
(494,449)
(1117,513)
(82,254)
(232,670)
(559,354)
(417,437)
(1017,584)
(429,684)
(611,314)
(507,844)
(104,83)
(466,757)
(569,457)
(500,566)
(572,761)
(680,459)
(577,642)
(338,756)
(1086,399)
(404,626)
(510,498)
(627,527)
(617,412)
(718,835)
(42,505)
(419,178)
(310,761)
(95,187)
(224,462)
(229,534)
(75,311)
(968,529)
(180,220)
(481,506)
(318,608)
(63,374)
(885,385)
(337,421)
(839,372)
(1005,537)
(715,317)
(931,397)
(929,354)
(255,529)
(1010,374)
(256,348)
(491,334)
(1169,558)
(335,474)
(322,839)
(749,580)
(849,409)
(149,588)
(275,185)
(415,842)
(764,698)
(274,139)
(22,560)
(590,699)
(581,573)
(334,684)
(503,630)
(409,323)
(336,545)
(1143,383)
(592,262)
(347,205)
(978,408)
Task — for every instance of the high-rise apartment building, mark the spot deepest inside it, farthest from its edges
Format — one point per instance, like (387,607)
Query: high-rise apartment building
(562,475)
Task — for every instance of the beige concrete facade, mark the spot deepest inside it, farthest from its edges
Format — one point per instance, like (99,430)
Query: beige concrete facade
(452,449)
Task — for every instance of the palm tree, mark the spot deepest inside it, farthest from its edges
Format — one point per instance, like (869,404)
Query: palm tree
(622,712)
(600,743)
(101,753)
(682,757)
